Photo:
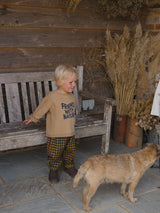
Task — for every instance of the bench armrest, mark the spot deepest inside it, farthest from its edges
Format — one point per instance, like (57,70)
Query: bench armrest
(97,98)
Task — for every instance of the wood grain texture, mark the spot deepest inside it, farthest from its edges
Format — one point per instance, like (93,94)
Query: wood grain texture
(52,18)
(59,18)
(85,4)
(50,27)
(13,102)
(41,34)
(40,57)
(13,37)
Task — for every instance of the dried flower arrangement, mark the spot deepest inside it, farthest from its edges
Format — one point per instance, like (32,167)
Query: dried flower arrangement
(147,122)
(140,111)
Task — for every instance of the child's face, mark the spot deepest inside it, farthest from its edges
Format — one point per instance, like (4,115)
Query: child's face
(68,83)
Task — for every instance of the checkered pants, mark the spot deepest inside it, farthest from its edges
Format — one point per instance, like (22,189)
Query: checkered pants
(61,150)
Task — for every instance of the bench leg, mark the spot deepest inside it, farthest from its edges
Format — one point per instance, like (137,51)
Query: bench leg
(105,144)
(106,137)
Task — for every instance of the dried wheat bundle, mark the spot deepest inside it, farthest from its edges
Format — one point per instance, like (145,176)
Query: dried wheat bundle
(127,58)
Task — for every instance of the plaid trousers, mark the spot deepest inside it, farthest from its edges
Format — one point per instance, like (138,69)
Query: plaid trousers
(61,150)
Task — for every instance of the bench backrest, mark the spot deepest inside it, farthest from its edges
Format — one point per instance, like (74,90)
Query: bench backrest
(21,93)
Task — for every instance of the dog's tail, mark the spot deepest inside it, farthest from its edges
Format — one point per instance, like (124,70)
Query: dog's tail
(81,173)
(77,178)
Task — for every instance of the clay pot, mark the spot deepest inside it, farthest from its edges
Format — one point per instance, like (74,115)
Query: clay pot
(119,128)
(134,134)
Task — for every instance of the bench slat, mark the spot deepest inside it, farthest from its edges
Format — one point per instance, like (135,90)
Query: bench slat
(78,105)
(2,112)
(25,100)
(46,87)
(80,77)
(32,96)
(54,87)
(39,90)
(79,88)
(26,77)
(13,102)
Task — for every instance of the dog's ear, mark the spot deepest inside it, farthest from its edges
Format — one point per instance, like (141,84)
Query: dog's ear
(157,149)
(151,145)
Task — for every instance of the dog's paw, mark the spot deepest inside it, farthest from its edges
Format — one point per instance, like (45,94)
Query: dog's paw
(125,194)
(87,209)
(133,200)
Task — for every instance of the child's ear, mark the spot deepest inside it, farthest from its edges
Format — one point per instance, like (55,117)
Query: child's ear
(59,83)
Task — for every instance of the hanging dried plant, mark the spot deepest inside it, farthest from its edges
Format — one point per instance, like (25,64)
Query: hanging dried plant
(72,4)
(115,8)
(123,8)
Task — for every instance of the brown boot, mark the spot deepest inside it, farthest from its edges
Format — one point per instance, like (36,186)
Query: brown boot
(53,176)
(71,171)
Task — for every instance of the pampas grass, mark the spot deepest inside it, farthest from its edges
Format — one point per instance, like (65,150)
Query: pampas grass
(131,62)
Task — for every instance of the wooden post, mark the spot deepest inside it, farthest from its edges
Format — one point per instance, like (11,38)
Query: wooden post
(78,89)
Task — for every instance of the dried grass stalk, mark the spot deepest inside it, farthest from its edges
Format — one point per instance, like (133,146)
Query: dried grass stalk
(130,60)
(72,3)
(140,108)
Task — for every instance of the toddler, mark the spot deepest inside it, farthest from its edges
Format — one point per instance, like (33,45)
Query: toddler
(59,105)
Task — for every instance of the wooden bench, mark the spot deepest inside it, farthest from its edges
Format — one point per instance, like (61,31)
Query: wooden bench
(20,94)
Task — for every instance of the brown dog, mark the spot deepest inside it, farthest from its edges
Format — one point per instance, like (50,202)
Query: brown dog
(121,168)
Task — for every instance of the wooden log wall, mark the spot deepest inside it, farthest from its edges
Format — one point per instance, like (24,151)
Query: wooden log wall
(41,34)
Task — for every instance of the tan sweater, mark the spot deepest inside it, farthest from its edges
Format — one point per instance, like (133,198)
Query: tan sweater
(60,109)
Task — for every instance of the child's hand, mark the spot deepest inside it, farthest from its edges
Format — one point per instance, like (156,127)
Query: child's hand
(27,121)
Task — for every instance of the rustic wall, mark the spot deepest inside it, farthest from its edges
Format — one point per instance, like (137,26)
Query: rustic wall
(40,34)
(152,21)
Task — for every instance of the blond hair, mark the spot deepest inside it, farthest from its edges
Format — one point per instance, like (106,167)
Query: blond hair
(62,70)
